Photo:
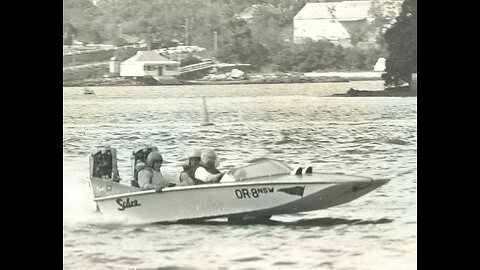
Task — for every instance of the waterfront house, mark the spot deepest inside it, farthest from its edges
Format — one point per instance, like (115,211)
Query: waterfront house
(346,23)
(147,65)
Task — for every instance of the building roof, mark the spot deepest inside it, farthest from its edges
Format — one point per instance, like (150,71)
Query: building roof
(148,57)
(346,10)
(325,29)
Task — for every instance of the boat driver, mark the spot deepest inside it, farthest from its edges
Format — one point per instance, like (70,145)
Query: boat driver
(151,177)
(187,177)
(206,172)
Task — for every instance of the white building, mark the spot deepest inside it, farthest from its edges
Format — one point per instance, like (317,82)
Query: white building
(149,64)
(345,23)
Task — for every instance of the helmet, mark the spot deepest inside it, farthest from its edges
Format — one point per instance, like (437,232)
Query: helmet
(152,157)
(209,154)
(195,153)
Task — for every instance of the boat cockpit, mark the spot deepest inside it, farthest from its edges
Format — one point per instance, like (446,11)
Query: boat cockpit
(103,164)
(261,167)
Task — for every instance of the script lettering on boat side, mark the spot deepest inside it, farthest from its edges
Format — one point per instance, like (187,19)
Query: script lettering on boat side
(246,193)
(127,203)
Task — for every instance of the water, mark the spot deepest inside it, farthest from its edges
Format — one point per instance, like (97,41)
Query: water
(296,123)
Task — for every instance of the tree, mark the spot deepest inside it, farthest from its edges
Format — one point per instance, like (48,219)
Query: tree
(239,46)
(69,32)
(384,13)
(401,41)
(266,26)
(90,36)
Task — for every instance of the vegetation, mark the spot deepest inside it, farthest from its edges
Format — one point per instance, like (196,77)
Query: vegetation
(323,55)
(384,13)
(401,41)
(265,39)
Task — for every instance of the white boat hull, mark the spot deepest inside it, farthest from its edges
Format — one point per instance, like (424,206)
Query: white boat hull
(270,196)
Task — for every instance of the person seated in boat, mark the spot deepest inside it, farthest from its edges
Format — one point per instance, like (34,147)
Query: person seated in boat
(151,177)
(104,164)
(187,176)
(141,159)
(206,171)
(141,156)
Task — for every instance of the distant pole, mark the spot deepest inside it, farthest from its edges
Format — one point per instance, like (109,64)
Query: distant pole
(186,32)
(73,61)
(215,41)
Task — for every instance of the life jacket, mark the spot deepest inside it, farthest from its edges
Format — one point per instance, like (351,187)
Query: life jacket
(185,179)
(139,165)
(210,170)
(190,171)
(134,183)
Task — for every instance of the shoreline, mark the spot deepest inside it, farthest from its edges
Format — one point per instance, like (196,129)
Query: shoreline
(402,91)
(254,78)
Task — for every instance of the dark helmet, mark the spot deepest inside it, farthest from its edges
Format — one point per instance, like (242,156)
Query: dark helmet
(152,157)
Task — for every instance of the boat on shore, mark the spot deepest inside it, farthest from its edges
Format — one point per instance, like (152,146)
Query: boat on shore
(87,91)
(257,190)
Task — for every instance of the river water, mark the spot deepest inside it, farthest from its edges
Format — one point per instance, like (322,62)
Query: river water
(296,123)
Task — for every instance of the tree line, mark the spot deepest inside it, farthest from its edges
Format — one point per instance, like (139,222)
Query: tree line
(189,21)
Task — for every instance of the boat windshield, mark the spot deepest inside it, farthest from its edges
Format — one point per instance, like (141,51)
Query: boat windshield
(261,168)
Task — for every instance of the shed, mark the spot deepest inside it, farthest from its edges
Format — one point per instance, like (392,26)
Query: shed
(149,64)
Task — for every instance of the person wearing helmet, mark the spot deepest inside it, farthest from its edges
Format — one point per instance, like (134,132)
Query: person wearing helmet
(187,175)
(206,171)
(142,154)
(150,177)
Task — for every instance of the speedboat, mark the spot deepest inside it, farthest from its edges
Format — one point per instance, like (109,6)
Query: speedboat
(257,190)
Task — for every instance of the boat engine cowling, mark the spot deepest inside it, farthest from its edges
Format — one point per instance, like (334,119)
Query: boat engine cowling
(103,163)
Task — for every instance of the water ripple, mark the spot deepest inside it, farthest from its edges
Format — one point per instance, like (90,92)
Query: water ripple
(248,259)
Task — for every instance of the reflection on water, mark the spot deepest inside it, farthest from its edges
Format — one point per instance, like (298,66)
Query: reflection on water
(296,123)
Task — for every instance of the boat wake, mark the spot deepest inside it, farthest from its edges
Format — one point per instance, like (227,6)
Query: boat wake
(78,205)
(315,222)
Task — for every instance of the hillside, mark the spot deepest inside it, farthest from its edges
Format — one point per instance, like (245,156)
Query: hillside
(258,32)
